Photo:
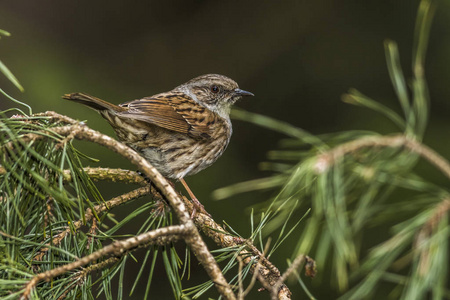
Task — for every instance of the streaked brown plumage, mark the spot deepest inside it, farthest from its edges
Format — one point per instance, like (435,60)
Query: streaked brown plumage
(180,132)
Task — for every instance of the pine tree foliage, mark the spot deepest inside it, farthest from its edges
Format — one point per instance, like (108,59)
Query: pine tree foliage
(340,187)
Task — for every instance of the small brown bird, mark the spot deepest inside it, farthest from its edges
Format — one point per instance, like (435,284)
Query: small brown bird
(180,132)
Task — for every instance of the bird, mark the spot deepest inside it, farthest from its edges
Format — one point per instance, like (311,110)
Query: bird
(179,132)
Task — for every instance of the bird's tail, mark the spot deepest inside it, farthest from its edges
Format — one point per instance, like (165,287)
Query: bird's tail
(93,102)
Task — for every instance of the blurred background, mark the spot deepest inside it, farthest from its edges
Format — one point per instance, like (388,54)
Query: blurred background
(297,57)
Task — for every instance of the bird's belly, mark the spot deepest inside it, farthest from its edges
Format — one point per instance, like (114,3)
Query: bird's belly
(183,156)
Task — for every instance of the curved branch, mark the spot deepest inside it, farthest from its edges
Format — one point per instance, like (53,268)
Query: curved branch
(327,159)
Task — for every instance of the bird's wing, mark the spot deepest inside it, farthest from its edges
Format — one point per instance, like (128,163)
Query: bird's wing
(174,111)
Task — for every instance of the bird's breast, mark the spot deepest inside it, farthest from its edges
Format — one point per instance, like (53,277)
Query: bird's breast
(173,154)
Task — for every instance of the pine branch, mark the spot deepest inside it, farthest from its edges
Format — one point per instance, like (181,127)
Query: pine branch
(327,159)
(269,276)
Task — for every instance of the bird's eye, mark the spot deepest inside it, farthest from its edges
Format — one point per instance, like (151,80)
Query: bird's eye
(215,89)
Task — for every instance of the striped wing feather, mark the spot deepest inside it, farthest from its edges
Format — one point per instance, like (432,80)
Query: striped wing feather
(174,111)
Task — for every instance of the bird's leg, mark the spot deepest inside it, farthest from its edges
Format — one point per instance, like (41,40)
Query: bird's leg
(197,205)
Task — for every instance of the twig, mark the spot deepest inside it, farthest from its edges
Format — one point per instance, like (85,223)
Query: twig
(240,283)
(256,270)
(425,232)
(92,233)
(114,175)
(81,275)
(327,159)
(59,117)
(97,174)
(140,192)
(295,264)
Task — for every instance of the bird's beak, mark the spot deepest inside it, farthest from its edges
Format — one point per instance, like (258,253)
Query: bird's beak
(240,92)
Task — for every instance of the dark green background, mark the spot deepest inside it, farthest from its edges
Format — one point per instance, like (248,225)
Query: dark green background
(297,57)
